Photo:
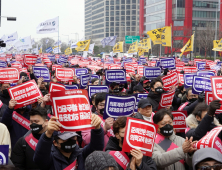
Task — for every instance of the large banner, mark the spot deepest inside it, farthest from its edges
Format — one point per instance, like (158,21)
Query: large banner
(48,26)
(64,74)
(201,84)
(25,93)
(42,72)
(97,89)
(116,106)
(118,76)
(72,108)
(9,75)
(151,72)
(169,81)
(139,134)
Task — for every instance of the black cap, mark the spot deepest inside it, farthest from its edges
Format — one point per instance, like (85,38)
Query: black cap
(143,103)
(138,88)
(66,135)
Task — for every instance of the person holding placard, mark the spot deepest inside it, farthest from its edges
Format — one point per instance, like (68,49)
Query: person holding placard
(170,152)
(4,96)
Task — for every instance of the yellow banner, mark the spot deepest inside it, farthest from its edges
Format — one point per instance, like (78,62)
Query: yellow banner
(83,45)
(118,47)
(155,35)
(133,48)
(145,44)
(188,46)
(141,52)
(217,43)
(68,51)
(166,36)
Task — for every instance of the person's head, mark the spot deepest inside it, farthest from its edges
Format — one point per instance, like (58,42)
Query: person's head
(114,87)
(200,111)
(24,77)
(119,128)
(190,96)
(100,101)
(207,159)
(137,77)
(138,89)
(95,81)
(145,107)
(99,160)
(66,141)
(4,90)
(38,120)
(146,84)
(93,97)
(164,119)
(156,86)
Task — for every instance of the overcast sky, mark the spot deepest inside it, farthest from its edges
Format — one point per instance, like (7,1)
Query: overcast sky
(30,13)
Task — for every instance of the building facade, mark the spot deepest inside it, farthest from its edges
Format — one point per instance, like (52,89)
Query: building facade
(183,15)
(104,18)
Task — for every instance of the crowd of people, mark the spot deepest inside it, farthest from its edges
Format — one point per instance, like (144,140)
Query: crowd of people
(93,149)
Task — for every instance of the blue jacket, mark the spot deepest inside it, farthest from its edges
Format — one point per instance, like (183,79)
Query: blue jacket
(48,157)
(16,130)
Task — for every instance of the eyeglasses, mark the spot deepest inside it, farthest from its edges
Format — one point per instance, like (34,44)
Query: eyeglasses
(215,167)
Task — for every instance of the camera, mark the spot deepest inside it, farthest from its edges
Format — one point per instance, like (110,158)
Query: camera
(26,78)
(2,44)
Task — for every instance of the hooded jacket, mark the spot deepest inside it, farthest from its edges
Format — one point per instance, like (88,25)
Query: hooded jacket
(5,99)
(199,130)
(147,162)
(154,100)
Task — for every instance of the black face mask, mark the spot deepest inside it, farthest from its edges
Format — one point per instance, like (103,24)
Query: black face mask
(121,88)
(68,146)
(6,94)
(192,100)
(159,90)
(36,128)
(147,88)
(167,130)
(116,90)
(101,111)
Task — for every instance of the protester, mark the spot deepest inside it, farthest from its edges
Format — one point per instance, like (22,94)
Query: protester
(4,96)
(144,111)
(5,137)
(135,81)
(202,120)
(24,149)
(62,151)
(138,89)
(95,81)
(207,159)
(137,159)
(170,151)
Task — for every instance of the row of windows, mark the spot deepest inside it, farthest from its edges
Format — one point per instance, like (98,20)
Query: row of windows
(123,18)
(89,19)
(88,27)
(97,11)
(178,13)
(98,36)
(88,15)
(87,30)
(98,21)
(149,27)
(119,23)
(111,13)
(205,14)
(122,7)
(156,17)
(156,8)
(88,8)
(122,34)
(120,29)
(88,23)
(111,2)
(178,3)
(178,23)
(98,31)
(97,26)
(205,4)
(178,33)
(204,23)
(98,16)
(98,6)
(149,2)
(96,2)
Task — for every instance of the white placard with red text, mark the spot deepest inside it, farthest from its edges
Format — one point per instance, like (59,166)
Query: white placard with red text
(216,84)
(189,69)
(56,87)
(72,107)
(139,134)
(166,100)
(169,81)
(30,59)
(179,120)
(209,98)
(64,74)
(9,75)
(25,93)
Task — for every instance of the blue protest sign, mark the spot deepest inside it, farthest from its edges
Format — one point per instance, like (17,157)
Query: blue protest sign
(51,58)
(138,98)
(151,72)
(219,63)
(41,72)
(116,106)
(139,63)
(62,60)
(188,80)
(185,60)
(97,89)
(142,59)
(3,64)
(93,76)
(4,150)
(167,63)
(206,73)
(84,79)
(49,50)
(201,84)
(217,67)
(115,75)
(157,63)
(201,65)
(80,71)
(38,61)
(71,87)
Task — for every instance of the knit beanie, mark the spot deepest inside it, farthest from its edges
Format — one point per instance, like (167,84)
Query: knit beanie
(98,160)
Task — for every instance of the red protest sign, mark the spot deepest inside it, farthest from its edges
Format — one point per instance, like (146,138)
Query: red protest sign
(169,81)
(179,120)
(64,74)
(140,70)
(166,99)
(16,65)
(139,134)
(129,68)
(209,98)
(9,75)
(189,69)
(30,59)
(72,108)
(180,76)
(179,68)
(53,87)
(25,93)
(211,140)
(56,66)
(114,66)
(216,84)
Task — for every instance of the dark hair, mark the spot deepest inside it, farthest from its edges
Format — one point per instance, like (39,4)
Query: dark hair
(93,80)
(199,108)
(190,88)
(180,88)
(153,82)
(7,167)
(119,124)
(23,74)
(160,114)
(39,111)
(100,97)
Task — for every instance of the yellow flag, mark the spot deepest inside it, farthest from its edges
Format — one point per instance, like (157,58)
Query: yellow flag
(68,51)
(145,44)
(217,49)
(133,48)
(166,36)
(83,45)
(118,47)
(217,44)
(188,46)
(155,35)
(40,50)
(141,52)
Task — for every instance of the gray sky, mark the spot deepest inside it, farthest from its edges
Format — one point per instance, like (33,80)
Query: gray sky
(30,13)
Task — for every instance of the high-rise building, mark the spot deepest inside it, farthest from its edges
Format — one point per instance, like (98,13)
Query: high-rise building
(183,15)
(104,18)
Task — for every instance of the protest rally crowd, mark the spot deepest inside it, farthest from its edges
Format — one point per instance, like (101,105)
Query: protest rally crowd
(69,112)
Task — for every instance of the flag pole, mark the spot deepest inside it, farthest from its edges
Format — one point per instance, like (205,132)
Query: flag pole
(58,35)
(171,41)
